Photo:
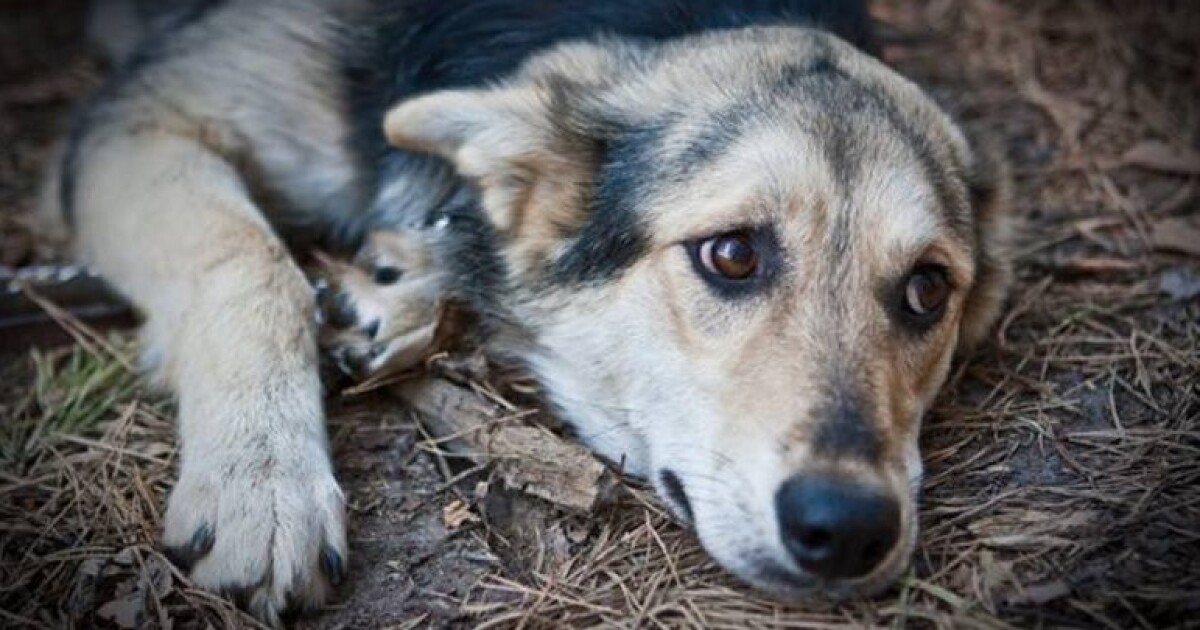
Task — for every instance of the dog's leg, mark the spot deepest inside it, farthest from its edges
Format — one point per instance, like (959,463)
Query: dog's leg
(256,512)
(382,310)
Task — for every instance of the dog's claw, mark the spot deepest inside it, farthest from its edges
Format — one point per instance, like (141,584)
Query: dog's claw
(333,565)
(339,309)
(203,539)
(386,275)
(239,595)
(186,556)
(376,309)
(347,363)
(266,561)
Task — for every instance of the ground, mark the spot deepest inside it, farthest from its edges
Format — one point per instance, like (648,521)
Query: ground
(1063,460)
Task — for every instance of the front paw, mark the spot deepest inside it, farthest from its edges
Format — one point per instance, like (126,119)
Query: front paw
(267,533)
(380,313)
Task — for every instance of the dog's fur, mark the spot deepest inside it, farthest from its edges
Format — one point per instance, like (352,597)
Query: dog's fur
(553,164)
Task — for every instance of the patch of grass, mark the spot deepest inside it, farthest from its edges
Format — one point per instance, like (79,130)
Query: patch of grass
(73,391)
(86,460)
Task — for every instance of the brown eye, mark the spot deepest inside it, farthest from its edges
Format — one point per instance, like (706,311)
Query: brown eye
(926,291)
(730,256)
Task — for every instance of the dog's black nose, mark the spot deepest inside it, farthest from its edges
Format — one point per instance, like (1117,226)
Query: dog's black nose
(834,528)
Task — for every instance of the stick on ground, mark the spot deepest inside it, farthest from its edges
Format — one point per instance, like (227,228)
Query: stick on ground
(528,458)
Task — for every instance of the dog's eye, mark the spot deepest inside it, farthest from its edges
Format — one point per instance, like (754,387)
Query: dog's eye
(926,291)
(731,256)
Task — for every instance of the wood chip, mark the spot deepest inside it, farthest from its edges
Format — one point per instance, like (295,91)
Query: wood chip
(1089,265)
(456,513)
(1179,283)
(1177,234)
(1043,593)
(124,612)
(1160,156)
(529,459)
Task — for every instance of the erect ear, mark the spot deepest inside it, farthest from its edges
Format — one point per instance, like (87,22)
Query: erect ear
(514,143)
(989,183)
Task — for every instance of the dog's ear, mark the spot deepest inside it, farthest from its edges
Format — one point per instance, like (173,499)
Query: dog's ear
(989,184)
(516,144)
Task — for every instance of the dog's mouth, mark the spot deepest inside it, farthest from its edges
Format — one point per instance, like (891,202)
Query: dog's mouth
(770,566)
(787,582)
(793,584)
(677,498)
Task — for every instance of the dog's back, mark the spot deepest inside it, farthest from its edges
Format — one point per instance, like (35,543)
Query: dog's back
(117,28)
(415,47)
(362,57)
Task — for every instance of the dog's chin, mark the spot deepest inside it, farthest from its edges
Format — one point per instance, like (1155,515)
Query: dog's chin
(786,582)
(788,585)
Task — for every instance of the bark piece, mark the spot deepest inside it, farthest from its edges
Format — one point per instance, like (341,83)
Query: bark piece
(528,458)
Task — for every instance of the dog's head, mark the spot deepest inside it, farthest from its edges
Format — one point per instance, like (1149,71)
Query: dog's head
(745,260)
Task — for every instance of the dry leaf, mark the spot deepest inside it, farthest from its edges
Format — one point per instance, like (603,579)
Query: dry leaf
(994,574)
(1096,264)
(1177,234)
(155,577)
(578,531)
(1069,115)
(83,596)
(1026,541)
(456,513)
(1160,156)
(1038,594)
(126,611)
(1094,224)
(1181,284)
(126,557)
(1077,519)
(556,542)
(158,450)
(529,459)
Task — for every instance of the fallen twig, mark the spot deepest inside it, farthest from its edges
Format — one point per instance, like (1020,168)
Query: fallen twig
(528,458)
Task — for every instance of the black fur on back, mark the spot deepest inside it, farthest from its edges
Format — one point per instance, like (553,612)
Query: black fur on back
(410,47)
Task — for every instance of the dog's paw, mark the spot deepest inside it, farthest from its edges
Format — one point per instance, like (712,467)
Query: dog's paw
(267,534)
(380,313)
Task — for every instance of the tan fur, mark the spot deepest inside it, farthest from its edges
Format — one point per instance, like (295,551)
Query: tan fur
(184,180)
(405,312)
(533,183)
(230,318)
(736,388)
(991,179)
(166,211)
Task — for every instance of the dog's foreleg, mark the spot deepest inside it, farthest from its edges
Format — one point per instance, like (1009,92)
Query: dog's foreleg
(256,512)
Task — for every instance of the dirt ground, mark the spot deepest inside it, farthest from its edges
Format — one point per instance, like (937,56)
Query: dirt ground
(1063,461)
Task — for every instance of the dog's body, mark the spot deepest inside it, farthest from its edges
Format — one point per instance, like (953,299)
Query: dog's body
(737,252)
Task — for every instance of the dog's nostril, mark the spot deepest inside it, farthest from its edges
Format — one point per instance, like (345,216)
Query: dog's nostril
(835,528)
(815,538)
(875,549)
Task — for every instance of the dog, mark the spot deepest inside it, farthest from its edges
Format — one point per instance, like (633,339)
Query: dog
(737,251)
